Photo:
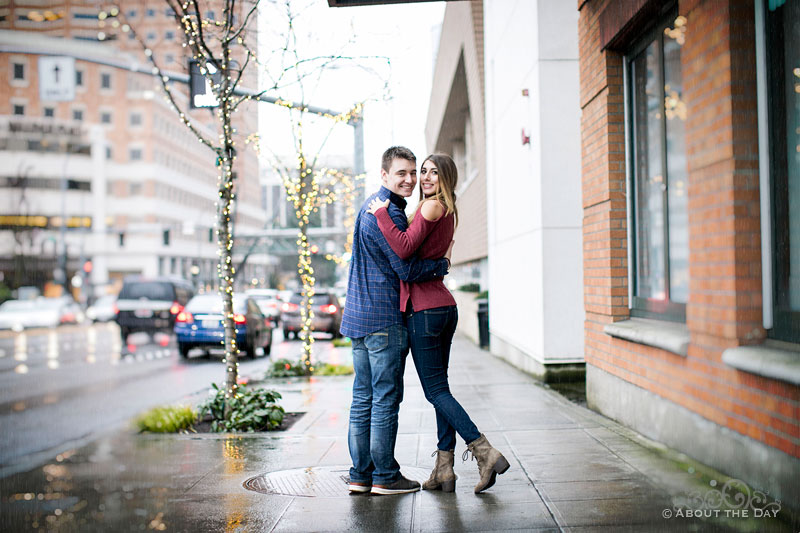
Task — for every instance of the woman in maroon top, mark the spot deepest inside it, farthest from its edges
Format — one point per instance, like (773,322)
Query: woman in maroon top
(432,317)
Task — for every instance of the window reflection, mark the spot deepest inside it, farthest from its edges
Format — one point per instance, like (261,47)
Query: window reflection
(783,78)
(792,79)
(650,214)
(660,171)
(677,199)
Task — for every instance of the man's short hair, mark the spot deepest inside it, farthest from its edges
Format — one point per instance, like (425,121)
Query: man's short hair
(396,152)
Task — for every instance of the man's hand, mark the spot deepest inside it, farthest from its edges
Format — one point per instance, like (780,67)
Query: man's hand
(376,204)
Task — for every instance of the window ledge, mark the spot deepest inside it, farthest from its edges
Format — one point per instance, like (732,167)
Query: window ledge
(765,360)
(669,336)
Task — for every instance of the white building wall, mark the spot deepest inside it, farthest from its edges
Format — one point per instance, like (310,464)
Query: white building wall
(534,191)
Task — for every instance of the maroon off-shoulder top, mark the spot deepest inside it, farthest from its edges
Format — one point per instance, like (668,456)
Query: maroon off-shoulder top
(428,239)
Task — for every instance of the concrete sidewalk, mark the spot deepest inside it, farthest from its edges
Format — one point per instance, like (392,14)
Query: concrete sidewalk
(571,470)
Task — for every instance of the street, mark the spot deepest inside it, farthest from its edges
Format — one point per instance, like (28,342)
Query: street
(62,387)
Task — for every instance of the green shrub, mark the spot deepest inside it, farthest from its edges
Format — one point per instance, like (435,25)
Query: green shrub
(284,368)
(251,410)
(470,287)
(170,419)
(342,342)
(482,295)
(327,369)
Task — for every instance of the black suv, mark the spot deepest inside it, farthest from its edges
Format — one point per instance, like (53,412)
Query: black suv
(151,304)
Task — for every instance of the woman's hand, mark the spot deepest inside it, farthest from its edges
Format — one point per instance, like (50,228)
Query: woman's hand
(376,204)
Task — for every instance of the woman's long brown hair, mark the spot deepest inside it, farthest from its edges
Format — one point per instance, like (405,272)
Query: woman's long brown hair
(448,179)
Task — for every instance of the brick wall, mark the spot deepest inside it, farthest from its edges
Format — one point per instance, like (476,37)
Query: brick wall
(603,172)
(724,308)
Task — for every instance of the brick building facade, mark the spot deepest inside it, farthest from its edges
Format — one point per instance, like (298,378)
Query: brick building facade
(689,288)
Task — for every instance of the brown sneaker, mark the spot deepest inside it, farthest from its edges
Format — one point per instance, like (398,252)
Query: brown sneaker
(401,486)
(356,486)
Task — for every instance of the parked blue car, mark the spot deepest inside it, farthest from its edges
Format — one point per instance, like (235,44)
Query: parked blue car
(199,325)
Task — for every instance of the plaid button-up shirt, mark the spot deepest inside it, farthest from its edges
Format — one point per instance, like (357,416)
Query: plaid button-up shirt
(373,287)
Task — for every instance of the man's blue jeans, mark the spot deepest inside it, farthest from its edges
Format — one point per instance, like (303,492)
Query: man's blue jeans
(379,360)
(431,332)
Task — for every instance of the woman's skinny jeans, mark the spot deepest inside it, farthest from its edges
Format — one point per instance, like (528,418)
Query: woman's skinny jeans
(431,334)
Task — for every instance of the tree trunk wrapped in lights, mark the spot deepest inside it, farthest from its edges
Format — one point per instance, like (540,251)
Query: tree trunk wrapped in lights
(307,190)
(210,42)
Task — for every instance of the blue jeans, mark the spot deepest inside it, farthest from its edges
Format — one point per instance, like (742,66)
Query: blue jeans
(431,333)
(379,360)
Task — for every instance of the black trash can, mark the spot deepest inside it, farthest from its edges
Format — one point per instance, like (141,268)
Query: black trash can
(483,323)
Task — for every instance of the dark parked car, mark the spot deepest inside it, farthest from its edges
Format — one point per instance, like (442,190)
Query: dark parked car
(199,325)
(327,314)
(151,304)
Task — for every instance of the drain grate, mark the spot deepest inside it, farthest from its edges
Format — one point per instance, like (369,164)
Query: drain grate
(317,481)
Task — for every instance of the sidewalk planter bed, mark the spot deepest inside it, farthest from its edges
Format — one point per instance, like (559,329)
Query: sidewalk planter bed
(284,368)
(251,410)
(203,425)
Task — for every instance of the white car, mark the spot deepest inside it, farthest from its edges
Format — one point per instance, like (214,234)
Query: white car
(39,313)
(104,309)
(269,301)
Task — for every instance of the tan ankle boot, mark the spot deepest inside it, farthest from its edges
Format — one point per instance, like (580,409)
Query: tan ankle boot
(490,462)
(442,478)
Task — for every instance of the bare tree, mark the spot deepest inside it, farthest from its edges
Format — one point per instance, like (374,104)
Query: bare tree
(221,47)
(307,186)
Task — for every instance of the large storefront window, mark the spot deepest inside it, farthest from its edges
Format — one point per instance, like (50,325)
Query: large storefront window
(783,80)
(657,116)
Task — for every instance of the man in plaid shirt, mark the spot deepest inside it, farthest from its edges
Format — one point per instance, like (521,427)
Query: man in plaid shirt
(372,319)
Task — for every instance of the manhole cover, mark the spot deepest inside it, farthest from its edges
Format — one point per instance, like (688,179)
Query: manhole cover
(317,481)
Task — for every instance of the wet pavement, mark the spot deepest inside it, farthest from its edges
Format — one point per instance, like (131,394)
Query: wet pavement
(51,378)
(571,470)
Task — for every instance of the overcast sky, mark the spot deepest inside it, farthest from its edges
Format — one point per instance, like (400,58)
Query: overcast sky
(407,34)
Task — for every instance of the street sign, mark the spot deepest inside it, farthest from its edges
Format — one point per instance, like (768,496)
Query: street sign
(56,78)
(200,91)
